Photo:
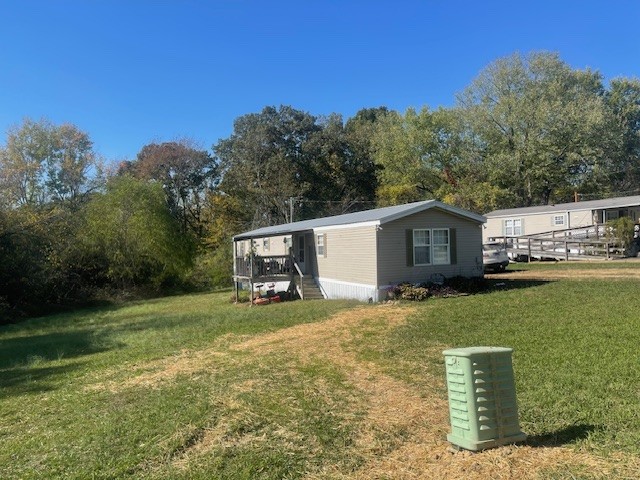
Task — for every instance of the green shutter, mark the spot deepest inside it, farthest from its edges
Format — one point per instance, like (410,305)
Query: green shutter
(453,246)
(325,244)
(409,242)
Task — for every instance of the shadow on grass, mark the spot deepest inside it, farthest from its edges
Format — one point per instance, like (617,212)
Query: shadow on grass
(24,360)
(24,380)
(570,434)
(496,284)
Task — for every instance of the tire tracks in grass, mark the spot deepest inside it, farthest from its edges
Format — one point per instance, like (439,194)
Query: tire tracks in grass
(403,435)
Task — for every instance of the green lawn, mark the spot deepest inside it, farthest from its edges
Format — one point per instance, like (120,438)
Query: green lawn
(125,392)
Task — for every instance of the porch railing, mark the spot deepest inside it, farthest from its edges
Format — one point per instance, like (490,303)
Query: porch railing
(257,266)
(562,248)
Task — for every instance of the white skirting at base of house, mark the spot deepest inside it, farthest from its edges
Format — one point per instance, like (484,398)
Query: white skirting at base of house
(335,289)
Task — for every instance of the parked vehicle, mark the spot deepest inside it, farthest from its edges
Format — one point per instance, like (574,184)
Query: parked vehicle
(494,257)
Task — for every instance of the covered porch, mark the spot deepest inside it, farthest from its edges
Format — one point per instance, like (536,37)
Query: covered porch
(277,260)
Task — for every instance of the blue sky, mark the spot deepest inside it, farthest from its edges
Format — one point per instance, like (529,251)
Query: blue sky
(132,72)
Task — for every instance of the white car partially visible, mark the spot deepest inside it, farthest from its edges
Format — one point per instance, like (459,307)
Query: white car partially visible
(494,257)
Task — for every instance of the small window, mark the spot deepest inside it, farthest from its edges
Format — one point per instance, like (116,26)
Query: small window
(320,245)
(422,247)
(266,244)
(440,246)
(558,220)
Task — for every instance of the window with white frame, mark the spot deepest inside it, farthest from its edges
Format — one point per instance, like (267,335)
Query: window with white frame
(513,227)
(422,247)
(440,247)
(320,244)
(431,246)
(558,220)
(266,244)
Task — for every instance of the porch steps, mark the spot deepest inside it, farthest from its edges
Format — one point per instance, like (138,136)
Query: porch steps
(311,289)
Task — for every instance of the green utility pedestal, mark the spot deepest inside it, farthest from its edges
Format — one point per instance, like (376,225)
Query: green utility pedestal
(482,398)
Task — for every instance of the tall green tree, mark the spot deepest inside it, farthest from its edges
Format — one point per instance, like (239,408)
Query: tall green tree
(422,155)
(542,127)
(43,162)
(264,163)
(132,229)
(186,174)
(623,98)
(340,167)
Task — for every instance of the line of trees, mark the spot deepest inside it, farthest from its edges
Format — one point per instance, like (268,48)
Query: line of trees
(528,130)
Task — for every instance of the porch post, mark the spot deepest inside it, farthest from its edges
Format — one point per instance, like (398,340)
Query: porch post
(251,276)
(235,268)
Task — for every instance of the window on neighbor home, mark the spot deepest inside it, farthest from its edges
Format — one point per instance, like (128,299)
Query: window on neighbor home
(513,227)
(320,244)
(266,244)
(558,220)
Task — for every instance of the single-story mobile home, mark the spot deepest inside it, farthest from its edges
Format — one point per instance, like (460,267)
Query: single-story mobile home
(360,255)
(547,219)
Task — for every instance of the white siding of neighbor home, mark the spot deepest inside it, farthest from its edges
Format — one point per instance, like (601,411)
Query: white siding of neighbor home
(392,248)
(537,223)
(581,218)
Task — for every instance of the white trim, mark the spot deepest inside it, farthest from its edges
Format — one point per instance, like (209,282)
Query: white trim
(555,217)
(373,223)
(342,282)
(513,227)
(320,247)
(431,246)
(438,206)
(334,289)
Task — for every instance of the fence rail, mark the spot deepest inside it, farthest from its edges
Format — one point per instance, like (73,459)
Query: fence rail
(271,266)
(562,248)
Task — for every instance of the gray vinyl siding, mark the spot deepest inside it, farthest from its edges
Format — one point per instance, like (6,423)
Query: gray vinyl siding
(392,249)
(350,255)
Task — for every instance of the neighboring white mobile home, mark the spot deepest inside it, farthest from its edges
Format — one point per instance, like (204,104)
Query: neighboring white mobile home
(360,255)
(519,222)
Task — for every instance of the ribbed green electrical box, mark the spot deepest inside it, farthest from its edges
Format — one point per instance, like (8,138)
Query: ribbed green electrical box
(482,398)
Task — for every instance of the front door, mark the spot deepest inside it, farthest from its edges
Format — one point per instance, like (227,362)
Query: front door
(300,252)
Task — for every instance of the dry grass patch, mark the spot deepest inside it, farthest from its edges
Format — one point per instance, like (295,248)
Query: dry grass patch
(573,274)
(158,373)
(403,435)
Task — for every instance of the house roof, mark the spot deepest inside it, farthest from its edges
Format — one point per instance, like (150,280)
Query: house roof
(377,215)
(617,202)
